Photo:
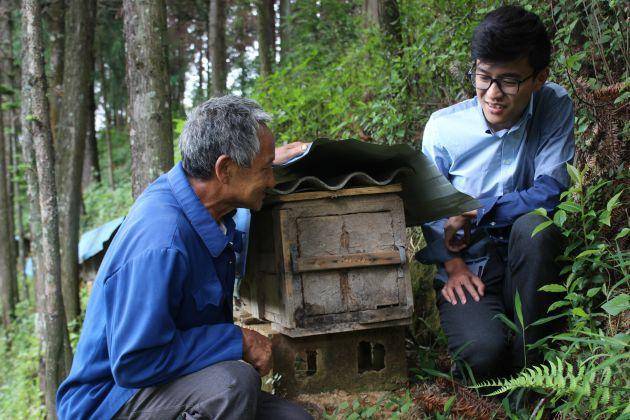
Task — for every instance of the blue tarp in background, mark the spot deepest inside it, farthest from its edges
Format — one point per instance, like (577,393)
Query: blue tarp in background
(90,244)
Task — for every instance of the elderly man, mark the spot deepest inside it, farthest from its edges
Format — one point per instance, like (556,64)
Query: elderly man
(507,147)
(158,339)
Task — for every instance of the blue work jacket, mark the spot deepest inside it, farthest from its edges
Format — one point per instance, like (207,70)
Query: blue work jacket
(161,305)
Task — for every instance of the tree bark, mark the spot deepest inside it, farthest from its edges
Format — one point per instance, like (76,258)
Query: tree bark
(7,263)
(91,165)
(70,144)
(36,122)
(18,210)
(108,123)
(266,36)
(284,29)
(217,46)
(8,278)
(150,121)
(385,14)
(56,31)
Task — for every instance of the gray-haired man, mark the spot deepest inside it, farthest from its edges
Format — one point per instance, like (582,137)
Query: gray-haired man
(158,339)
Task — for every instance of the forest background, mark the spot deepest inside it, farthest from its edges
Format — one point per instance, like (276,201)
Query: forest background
(79,141)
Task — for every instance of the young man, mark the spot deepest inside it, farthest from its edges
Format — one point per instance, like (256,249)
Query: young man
(508,147)
(158,339)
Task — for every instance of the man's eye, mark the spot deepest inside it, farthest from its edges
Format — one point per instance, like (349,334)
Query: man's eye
(509,82)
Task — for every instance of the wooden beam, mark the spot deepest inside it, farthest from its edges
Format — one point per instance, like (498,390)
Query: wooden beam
(344,192)
(335,262)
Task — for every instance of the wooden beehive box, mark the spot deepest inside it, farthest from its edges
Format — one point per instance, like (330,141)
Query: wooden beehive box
(329,261)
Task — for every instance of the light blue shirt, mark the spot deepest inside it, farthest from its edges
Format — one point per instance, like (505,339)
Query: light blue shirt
(511,172)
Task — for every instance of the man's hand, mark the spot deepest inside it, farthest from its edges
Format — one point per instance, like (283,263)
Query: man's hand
(454,224)
(289,151)
(257,351)
(460,278)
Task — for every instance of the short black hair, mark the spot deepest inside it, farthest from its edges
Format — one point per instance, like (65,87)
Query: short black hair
(511,33)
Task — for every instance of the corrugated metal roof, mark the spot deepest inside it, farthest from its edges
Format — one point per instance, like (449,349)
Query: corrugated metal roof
(332,165)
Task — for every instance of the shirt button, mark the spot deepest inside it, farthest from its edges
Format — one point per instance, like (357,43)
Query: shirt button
(493,223)
(507,161)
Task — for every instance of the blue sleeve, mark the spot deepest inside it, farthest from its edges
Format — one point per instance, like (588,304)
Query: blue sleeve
(556,149)
(503,211)
(558,146)
(145,346)
(435,251)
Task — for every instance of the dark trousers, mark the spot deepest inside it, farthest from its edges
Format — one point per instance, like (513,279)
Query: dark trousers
(475,335)
(226,390)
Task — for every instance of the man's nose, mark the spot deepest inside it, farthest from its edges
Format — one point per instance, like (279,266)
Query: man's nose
(494,91)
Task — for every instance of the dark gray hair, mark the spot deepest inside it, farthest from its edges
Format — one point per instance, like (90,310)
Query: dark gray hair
(227,125)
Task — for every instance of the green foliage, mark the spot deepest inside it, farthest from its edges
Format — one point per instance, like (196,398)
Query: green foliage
(390,405)
(589,387)
(103,204)
(20,396)
(587,371)
(367,89)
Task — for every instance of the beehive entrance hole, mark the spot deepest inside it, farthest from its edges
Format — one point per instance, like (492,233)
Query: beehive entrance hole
(306,363)
(371,356)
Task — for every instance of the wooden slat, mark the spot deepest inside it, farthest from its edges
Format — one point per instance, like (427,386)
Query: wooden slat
(335,262)
(344,192)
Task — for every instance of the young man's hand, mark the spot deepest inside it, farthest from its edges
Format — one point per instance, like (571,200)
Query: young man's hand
(454,224)
(460,278)
(257,351)
(289,151)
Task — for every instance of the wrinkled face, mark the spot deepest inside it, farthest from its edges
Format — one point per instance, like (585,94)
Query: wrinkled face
(502,110)
(249,184)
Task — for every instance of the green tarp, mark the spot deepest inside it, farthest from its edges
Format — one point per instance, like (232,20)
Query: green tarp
(330,164)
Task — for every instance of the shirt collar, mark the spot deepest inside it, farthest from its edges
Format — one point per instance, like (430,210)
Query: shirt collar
(200,218)
(520,123)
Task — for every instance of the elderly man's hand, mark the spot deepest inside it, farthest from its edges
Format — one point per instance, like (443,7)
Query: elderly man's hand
(257,351)
(289,151)
(460,278)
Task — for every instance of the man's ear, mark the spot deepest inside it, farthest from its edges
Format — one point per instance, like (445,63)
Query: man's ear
(541,78)
(224,169)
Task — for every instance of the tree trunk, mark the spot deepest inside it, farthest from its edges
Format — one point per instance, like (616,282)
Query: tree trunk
(56,31)
(150,124)
(284,29)
(18,210)
(11,77)
(70,144)
(217,46)
(110,160)
(91,166)
(35,122)
(108,123)
(386,15)
(8,279)
(7,263)
(266,36)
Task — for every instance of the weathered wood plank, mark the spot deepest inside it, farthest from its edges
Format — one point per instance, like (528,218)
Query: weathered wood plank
(315,195)
(335,262)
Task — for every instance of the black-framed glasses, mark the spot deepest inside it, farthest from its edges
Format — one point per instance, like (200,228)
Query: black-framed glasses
(507,85)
